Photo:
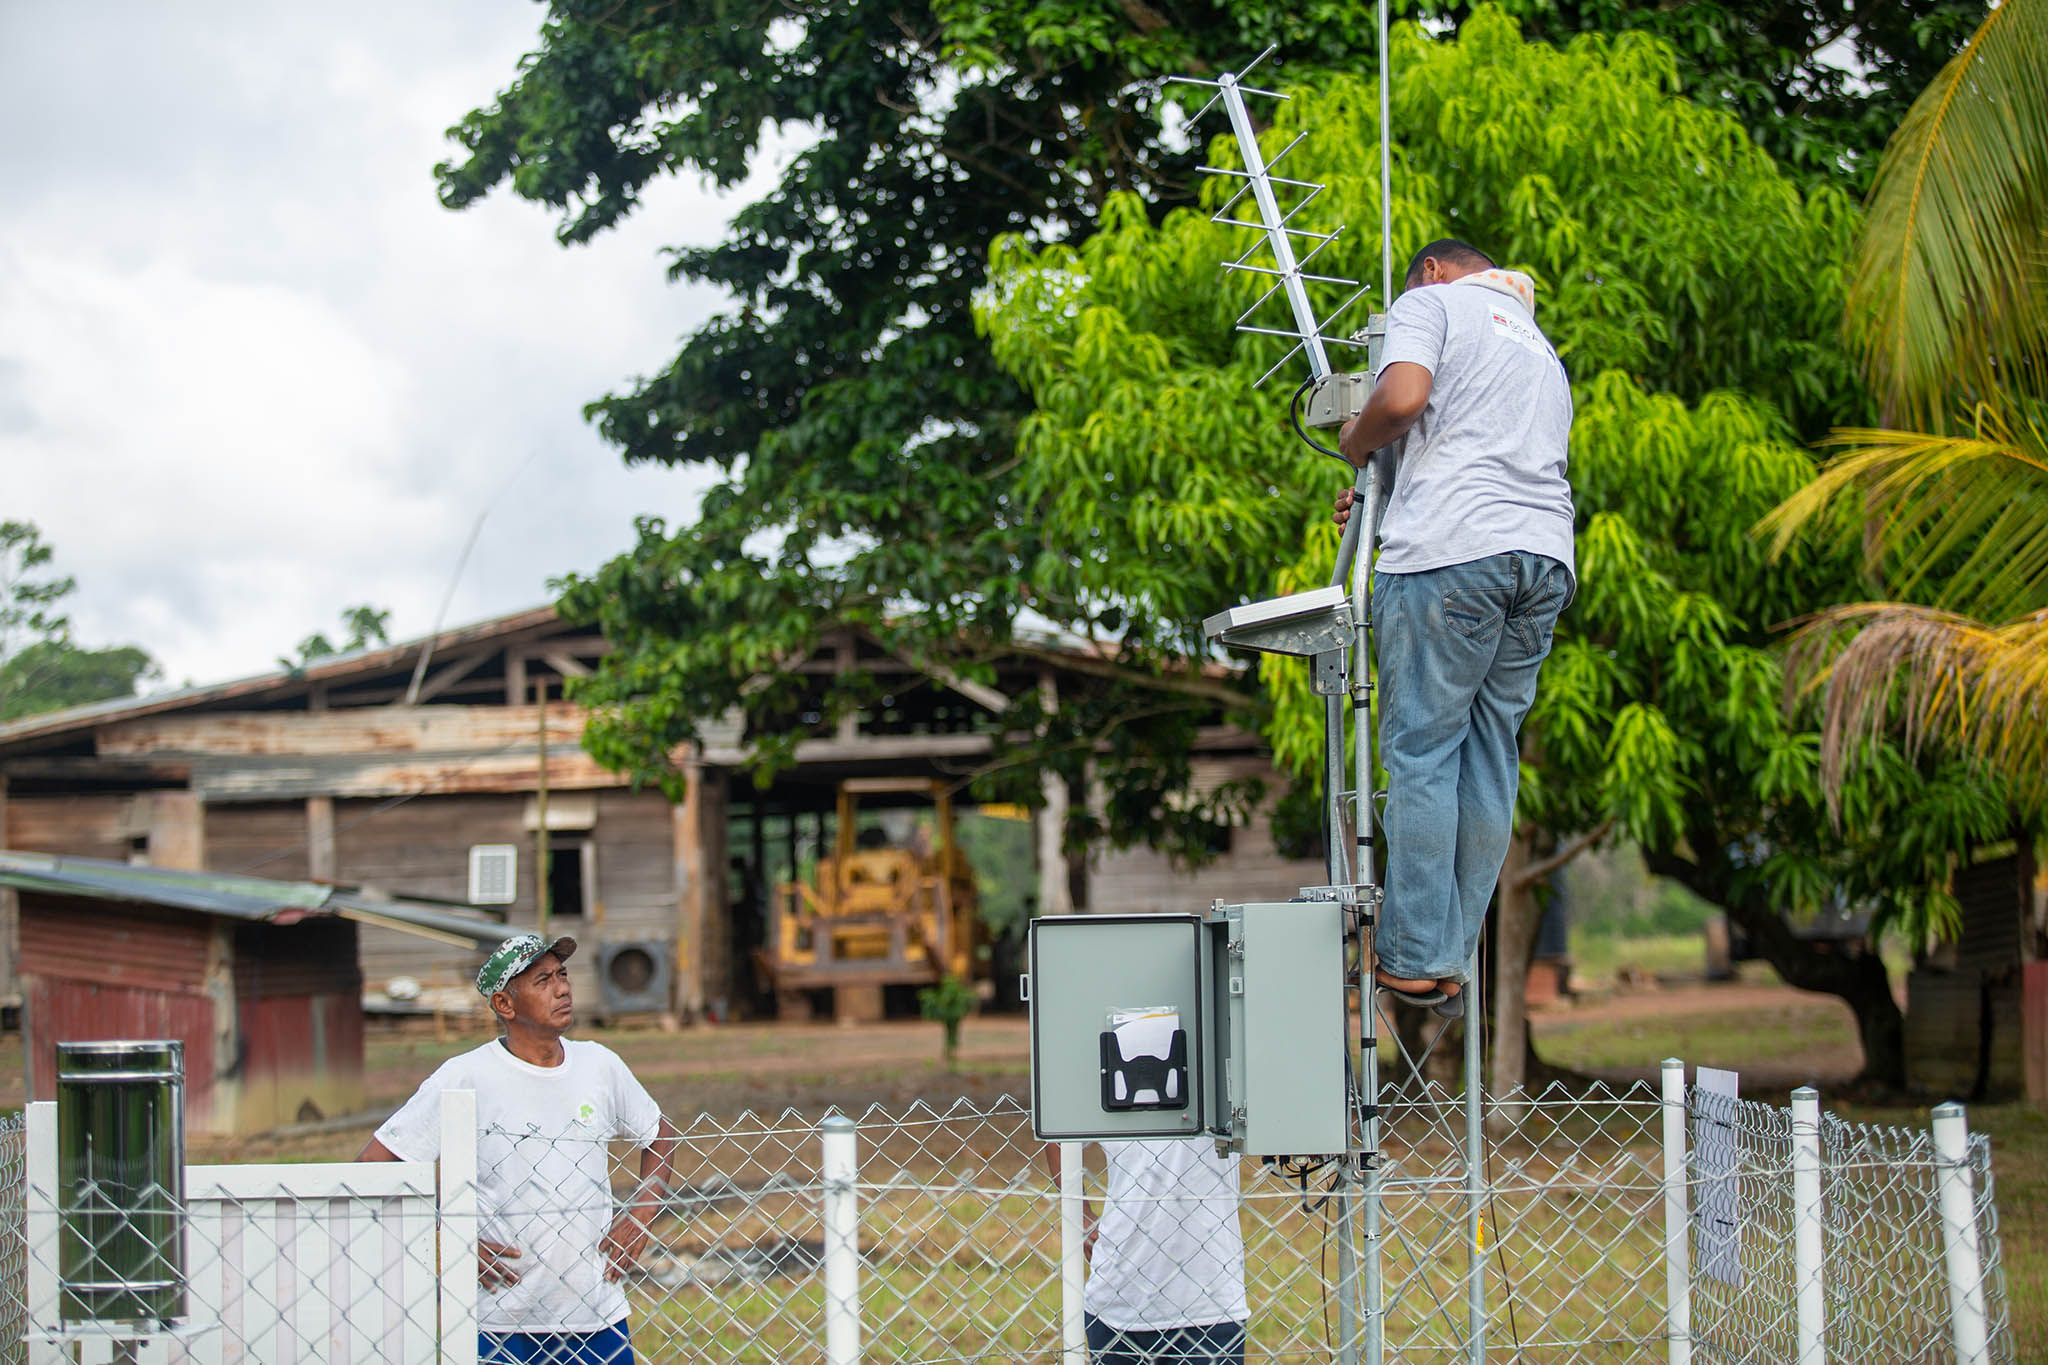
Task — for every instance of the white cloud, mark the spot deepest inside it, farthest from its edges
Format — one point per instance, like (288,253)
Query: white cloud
(251,372)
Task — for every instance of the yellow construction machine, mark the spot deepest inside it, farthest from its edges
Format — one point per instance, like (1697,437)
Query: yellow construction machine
(878,916)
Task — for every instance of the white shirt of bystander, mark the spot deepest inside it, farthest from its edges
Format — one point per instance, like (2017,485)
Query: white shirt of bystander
(1168,1250)
(543,1173)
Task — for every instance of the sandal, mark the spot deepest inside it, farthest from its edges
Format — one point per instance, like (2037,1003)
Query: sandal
(1422,999)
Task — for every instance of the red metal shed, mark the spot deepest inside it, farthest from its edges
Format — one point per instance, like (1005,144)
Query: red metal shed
(258,978)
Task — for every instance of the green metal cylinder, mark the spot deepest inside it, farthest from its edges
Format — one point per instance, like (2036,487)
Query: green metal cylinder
(121,1181)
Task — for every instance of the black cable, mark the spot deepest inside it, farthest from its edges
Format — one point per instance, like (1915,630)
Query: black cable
(1294,415)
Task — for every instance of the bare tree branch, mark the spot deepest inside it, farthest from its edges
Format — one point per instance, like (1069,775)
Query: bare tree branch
(1536,872)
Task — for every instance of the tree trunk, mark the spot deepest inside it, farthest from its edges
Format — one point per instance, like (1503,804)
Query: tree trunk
(1858,980)
(1517,913)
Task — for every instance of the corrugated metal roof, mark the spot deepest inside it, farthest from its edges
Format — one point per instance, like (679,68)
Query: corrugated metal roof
(238,897)
(378,658)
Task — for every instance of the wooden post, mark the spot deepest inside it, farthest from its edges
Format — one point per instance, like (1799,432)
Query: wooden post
(689,880)
(542,850)
(714,937)
(320,838)
(177,830)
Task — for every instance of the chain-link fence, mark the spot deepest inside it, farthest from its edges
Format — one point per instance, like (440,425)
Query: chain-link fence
(13,1241)
(1863,1242)
(1611,1226)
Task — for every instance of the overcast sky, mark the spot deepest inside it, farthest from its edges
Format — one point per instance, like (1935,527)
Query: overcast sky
(251,372)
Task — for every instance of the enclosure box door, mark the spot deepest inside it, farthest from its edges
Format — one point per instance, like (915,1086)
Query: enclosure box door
(1257,990)
(1279,974)
(1085,970)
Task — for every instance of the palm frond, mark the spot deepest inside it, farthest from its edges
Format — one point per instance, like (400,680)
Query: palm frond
(1949,294)
(1940,677)
(1965,514)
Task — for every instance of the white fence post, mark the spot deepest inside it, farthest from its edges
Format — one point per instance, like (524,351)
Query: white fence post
(458,1220)
(840,1164)
(1677,1220)
(1968,1324)
(1073,1255)
(1807,1250)
(39,1123)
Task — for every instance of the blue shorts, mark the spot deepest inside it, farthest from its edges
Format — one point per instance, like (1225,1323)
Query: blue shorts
(610,1346)
(1220,1343)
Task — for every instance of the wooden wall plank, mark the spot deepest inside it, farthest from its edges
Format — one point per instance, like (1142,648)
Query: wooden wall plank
(359,730)
(223,780)
(90,826)
(1138,880)
(635,865)
(261,839)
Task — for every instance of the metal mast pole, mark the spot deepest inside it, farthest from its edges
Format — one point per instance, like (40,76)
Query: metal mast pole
(1375,1291)
(1343,673)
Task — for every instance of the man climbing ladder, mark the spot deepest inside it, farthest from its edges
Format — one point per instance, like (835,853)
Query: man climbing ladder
(1474,567)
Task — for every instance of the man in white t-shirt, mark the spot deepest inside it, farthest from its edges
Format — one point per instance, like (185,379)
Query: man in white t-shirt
(1166,1257)
(551,1249)
(1475,564)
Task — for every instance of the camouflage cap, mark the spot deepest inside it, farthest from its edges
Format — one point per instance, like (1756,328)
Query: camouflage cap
(514,956)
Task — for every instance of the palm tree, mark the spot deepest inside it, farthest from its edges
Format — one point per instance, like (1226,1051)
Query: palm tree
(1948,313)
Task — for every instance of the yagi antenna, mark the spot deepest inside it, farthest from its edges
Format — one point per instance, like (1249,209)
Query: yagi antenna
(1290,246)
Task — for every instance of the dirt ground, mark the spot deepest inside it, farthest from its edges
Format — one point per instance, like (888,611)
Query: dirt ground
(728,1069)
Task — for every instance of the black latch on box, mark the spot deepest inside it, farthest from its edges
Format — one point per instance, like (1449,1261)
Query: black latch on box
(1166,1077)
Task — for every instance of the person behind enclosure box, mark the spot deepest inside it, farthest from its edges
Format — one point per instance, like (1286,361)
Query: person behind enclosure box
(1166,1256)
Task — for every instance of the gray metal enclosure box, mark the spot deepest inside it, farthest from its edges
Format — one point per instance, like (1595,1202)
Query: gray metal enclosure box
(1260,993)
(1084,966)
(1281,981)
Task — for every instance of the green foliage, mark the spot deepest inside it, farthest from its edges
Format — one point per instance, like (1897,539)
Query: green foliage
(1611,895)
(1950,305)
(1820,84)
(29,592)
(1949,310)
(948,1003)
(864,437)
(52,674)
(40,668)
(1694,294)
(362,626)
(1004,860)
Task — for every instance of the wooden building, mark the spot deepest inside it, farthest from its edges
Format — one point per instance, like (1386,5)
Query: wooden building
(258,978)
(417,769)
(1974,1029)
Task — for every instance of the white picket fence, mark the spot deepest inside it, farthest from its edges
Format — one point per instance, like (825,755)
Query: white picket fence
(339,1263)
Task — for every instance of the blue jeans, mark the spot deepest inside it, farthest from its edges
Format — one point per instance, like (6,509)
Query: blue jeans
(1459,648)
(607,1346)
(1219,1343)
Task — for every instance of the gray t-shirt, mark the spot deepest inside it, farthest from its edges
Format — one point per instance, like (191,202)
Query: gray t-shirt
(1484,470)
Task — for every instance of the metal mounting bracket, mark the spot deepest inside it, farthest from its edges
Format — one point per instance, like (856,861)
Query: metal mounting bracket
(1303,624)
